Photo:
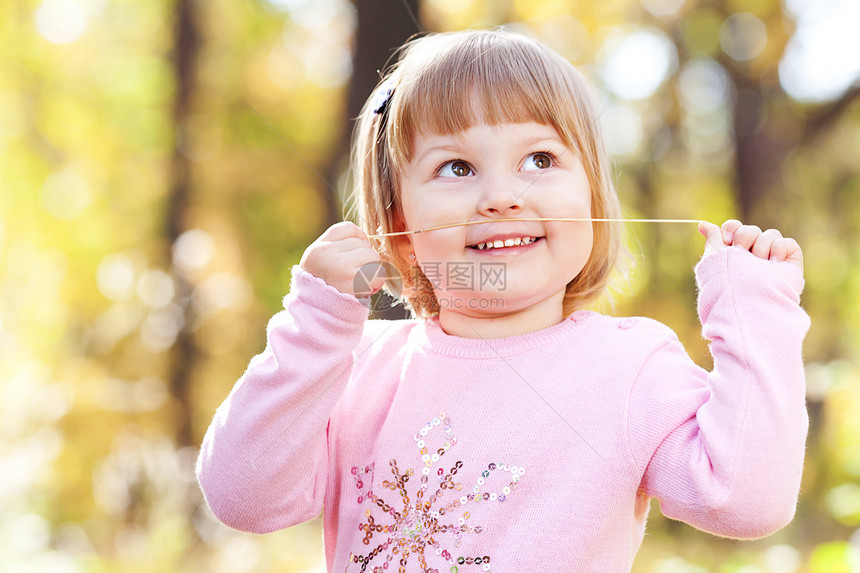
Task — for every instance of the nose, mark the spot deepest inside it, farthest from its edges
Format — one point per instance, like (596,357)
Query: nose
(500,195)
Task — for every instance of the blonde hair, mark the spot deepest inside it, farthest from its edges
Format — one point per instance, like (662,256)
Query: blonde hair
(442,84)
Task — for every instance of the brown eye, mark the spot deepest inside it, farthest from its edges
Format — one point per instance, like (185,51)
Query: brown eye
(455,169)
(540,161)
(460,169)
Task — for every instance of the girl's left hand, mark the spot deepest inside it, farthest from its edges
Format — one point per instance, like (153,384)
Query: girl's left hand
(768,244)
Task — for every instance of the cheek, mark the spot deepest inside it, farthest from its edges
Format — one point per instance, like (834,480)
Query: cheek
(407,199)
(567,197)
(429,206)
(418,214)
(438,245)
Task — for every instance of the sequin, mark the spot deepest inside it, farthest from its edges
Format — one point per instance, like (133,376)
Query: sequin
(416,528)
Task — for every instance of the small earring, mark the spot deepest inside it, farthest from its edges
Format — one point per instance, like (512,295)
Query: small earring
(412,257)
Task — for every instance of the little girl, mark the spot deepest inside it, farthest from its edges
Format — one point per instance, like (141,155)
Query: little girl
(505,428)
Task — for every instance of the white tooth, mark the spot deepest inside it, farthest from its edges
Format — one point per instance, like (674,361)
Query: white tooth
(498,244)
(509,242)
(519,241)
(481,246)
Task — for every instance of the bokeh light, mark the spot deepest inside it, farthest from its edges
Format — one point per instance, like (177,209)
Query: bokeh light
(822,58)
(743,36)
(61,21)
(634,65)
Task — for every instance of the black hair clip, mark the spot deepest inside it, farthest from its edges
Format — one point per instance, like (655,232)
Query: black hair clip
(382,97)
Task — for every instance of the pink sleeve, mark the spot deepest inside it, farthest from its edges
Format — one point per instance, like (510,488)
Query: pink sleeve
(723,450)
(262,464)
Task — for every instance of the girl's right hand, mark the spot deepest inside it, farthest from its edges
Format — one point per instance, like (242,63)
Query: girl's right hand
(338,254)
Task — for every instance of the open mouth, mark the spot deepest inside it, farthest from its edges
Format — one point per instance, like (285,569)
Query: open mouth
(505,243)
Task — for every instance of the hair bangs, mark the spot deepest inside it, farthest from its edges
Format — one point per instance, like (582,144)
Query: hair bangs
(482,79)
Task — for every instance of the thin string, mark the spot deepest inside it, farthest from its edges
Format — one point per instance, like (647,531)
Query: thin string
(550,219)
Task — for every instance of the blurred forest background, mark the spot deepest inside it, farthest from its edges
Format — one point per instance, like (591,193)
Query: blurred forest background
(163,163)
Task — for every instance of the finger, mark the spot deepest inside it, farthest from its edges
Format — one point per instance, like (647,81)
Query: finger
(359,274)
(348,244)
(728,229)
(746,236)
(369,278)
(761,247)
(713,236)
(786,249)
(343,230)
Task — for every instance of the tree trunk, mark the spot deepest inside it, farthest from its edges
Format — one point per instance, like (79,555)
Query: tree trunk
(383,26)
(184,353)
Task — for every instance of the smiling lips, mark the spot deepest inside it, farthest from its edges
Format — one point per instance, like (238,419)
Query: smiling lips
(501,243)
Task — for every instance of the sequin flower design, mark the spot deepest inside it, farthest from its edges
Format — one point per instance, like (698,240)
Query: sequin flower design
(431,523)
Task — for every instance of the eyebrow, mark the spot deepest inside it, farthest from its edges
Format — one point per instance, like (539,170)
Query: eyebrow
(542,139)
(452,148)
(458,147)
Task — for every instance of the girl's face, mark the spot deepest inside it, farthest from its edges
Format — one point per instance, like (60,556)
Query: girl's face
(507,276)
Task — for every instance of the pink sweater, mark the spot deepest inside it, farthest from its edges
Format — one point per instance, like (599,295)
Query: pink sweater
(534,452)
